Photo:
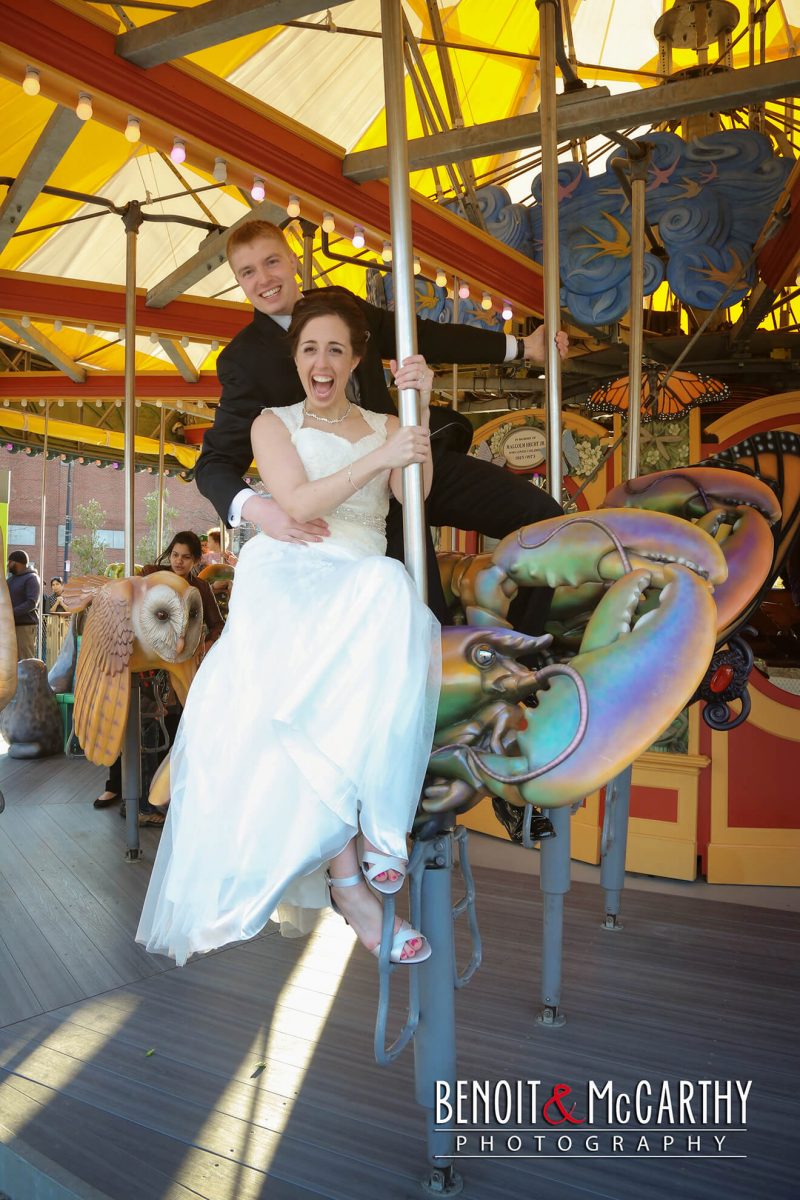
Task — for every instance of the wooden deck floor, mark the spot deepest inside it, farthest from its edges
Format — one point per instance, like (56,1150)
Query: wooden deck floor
(250,1073)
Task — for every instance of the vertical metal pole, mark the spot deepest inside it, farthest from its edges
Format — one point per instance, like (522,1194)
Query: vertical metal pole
(307,265)
(456,299)
(434,1041)
(160,512)
(68,520)
(548,10)
(132,219)
(42,530)
(131,753)
(614,845)
(639,163)
(403,275)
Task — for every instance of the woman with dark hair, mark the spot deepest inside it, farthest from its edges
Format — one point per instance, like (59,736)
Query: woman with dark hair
(182,556)
(333,663)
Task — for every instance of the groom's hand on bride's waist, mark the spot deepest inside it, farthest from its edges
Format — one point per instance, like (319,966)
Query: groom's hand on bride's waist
(279,525)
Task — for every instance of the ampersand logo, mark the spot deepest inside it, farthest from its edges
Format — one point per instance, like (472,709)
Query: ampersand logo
(560,1092)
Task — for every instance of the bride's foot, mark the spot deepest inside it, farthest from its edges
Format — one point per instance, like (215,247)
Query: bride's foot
(384,871)
(363,912)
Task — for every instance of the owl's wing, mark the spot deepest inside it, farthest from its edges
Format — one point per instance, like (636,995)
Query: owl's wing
(102,679)
(81,591)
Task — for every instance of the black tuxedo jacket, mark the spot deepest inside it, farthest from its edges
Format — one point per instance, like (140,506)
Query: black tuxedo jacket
(256,371)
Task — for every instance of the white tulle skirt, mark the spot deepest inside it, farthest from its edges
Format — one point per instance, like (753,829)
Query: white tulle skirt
(311,717)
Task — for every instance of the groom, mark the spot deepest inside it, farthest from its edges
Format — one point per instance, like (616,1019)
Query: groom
(256,371)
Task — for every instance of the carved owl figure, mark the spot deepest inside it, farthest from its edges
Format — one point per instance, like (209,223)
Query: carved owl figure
(140,624)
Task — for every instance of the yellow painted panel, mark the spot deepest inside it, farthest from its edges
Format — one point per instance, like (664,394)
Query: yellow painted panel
(670,858)
(769,866)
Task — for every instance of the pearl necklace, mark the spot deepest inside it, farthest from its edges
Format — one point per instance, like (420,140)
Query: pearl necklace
(328,420)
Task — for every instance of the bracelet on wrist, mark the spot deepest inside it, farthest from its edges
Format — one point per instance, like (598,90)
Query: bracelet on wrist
(520,349)
(355,486)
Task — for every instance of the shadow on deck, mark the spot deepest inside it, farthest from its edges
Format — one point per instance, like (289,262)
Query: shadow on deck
(249,1073)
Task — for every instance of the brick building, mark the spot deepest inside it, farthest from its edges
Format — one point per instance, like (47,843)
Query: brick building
(103,484)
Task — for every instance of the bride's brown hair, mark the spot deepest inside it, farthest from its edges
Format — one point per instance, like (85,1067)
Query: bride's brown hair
(330,302)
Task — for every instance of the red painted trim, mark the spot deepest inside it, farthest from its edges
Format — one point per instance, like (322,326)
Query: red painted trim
(106,385)
(777,261)
(46,298)
(71,45)
(779,422)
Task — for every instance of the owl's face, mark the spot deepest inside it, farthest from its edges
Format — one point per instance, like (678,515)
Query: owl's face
(167,616)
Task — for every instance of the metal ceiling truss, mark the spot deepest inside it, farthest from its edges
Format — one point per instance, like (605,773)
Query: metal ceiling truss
(51,146)
(586,114)
(208,25)
(42,345)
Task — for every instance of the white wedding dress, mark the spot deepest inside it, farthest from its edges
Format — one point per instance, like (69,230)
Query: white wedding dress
(311,717)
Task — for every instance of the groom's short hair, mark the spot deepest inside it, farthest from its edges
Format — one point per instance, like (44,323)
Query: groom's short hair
(250,231)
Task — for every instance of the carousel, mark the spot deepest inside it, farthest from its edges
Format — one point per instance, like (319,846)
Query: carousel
(605,849)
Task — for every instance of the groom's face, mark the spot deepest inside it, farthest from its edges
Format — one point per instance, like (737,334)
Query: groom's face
(267,274)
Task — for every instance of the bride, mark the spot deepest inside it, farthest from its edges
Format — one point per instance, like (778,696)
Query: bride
(312,718)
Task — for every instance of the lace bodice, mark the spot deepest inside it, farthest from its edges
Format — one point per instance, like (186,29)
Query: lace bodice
(361,521)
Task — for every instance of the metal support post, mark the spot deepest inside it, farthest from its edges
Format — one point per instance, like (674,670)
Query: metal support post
(132,220)
(639,164)
(614,845)
(131,773)
(554,883)
(548,11)
(434,1046)
(160,513)
(307,265)
(42,530)
(435,1038)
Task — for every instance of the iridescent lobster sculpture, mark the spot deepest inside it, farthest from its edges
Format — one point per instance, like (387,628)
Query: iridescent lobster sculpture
(641,598)
(645,588)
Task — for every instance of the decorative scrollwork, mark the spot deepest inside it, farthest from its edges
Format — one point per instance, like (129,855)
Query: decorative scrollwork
(726,680)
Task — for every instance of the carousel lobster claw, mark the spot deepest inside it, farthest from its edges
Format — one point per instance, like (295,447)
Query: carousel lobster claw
(735,508)
(597,713)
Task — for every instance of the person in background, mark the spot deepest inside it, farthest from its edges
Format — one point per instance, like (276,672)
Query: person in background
(54,599)
(25,588)
(213,552)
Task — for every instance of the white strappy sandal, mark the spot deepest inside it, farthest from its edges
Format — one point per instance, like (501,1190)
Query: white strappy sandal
(373,863)
(406,933)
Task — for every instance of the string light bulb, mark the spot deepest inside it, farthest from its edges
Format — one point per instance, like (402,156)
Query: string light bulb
(441,277)
(258,191)
(486,301)
(386,252)
(178,151)
(508,311)
(58,325)
(328,222)
(358,236)
(417,266)
(90,329)
(463,291)
(153,338)
(293,206)
(83,109)
(133,130)
(220,171)
(31,84)
(184,341)
(214,346)
(25,321)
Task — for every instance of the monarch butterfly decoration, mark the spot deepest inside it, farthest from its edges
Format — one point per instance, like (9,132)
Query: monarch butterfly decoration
(664,396)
